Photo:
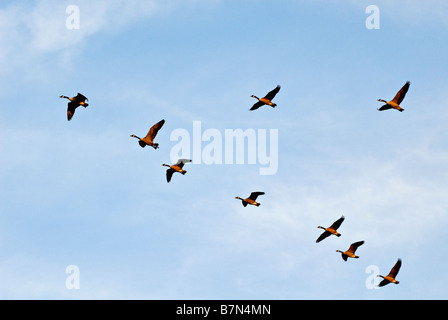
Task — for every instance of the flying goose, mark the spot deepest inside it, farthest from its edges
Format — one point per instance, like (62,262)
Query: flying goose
(266,100)
(391,276)
(75,102)
(350,253)
(395,103)
(175,168)
(331,230)
(149,139)
(251,199)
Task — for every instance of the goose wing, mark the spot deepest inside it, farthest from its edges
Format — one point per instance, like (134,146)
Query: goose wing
(323,236)
(271,94)
(383,283)
(80,97)
(169,174)
(254,195)
(355,246)
(394,271)
(337,223)
(385,107)
(257,105)
(71,109)
(155,129)
(400,94)
(180,163)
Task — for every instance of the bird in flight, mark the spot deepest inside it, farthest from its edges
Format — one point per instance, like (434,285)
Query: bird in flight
(395,102)
(178,167)
(251,199)
(390,278)
(266,100)
(75,102)
(149,139)
(350,253)
(331,229)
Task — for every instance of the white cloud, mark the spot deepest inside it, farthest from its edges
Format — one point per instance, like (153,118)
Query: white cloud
(32,29)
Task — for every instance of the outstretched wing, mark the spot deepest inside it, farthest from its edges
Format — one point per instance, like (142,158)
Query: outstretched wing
(383,283)
(385,107)
(81,97)
(272,93)
(169,174)
(400,95)
(71,110)
(154,129)
(257,105)
(337,223)
(355,246)
(393,273)
(254,195)
(323,236)
(180,163)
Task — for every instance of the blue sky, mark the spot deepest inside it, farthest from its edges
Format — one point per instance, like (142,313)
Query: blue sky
(84,193)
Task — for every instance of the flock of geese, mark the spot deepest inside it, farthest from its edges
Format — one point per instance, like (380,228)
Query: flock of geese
(148,140)
(332,230)
(350,253)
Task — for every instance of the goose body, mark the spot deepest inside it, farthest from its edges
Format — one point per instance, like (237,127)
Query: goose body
(148,140)
(178,167)
(75,102)
(331,230)
(350,253)
(390,278)
(266,100)
(396,101)
(251,199)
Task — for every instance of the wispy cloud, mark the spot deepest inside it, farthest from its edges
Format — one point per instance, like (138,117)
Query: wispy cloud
(31,29)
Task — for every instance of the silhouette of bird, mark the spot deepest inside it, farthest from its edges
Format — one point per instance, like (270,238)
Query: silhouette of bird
(75,102)
(251,199)
(267,100)
(395,102)
(331,230)
(390,278)
(149,139)
(175,168)
(350,253)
